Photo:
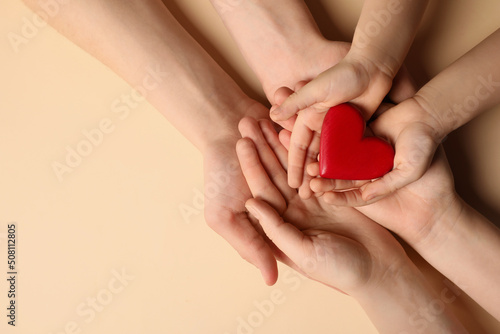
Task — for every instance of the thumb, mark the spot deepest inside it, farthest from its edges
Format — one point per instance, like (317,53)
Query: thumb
(389,183)
(284,235)
(341,83)
(312,93)
(415,148)
(403,174)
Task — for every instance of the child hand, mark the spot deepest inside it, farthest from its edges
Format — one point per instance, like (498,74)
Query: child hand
(414,134)
(334,245)
(356,81)
(415,207)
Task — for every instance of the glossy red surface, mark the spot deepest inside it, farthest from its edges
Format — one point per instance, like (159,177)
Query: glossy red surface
(344,151)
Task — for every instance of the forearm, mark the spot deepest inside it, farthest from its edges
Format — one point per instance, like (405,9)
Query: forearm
(269,34)
(465,88)
(385,32)
(405,303)
(143,43)
(464,246)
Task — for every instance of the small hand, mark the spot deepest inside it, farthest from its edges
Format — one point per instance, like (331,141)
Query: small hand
(277,80)
(413,211)
(413,133)
(303,66)
(349,80)
(334,245)
(356,83)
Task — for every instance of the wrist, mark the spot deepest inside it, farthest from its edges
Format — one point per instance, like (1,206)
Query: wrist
(275,38)
(227,115)
(415,110)
(376,62)
(395,295)
(403,303)
(442,123)
(447,219)
(463,236)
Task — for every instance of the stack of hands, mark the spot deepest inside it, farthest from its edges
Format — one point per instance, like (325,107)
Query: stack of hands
(277,208)
(337,231)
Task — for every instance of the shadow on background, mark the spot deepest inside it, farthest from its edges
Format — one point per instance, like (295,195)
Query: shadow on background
(461,165)
(325,22)
(431,24)
(455,145)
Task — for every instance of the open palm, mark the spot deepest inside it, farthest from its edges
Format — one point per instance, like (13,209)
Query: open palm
(337,246)
(226,192)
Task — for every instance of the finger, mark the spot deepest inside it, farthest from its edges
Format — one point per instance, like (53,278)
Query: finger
(256,176)
(299,85)
(299,144)
(389,183)
(305,191)
(276,162)
(310,94)
(313,169)
(414,152)
(380,110)
(283,258)
(284,137)
(338,84)
(285,236)
(319,194)
(323,185)
(320,185)
(288,124)
(350,198)
(281,95)
(280,256)
(250,128)
(237,230)
(271,136)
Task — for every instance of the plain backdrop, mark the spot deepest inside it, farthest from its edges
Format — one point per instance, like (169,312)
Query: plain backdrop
(107,250)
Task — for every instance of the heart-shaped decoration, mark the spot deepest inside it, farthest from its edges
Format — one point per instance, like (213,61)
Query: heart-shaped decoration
(345,154)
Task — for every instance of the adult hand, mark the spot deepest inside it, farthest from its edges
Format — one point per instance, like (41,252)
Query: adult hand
(431,218)
(334,245)
(337,246)
(412,211)
(226,192)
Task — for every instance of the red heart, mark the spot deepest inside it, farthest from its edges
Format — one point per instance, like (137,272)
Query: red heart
(345,154)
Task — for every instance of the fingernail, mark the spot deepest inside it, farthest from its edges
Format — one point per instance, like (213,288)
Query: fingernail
(276,111)
(253,211)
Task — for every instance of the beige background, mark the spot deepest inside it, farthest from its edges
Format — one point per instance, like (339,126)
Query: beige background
(120,208)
